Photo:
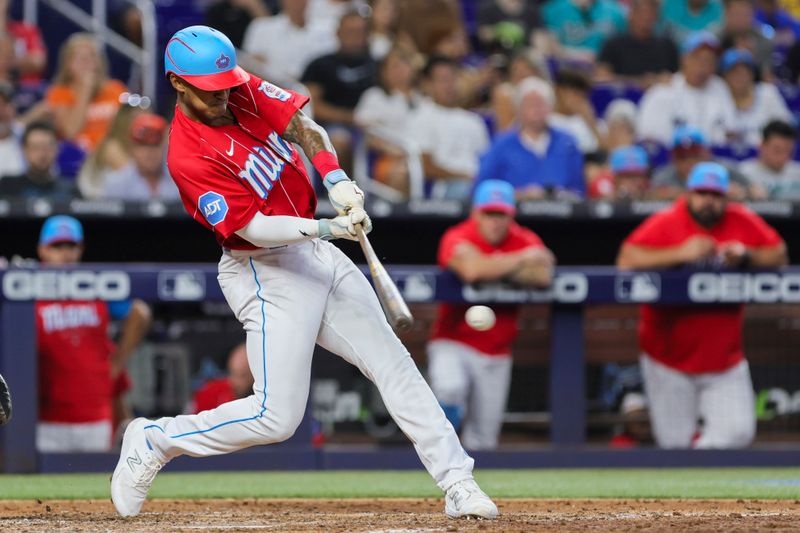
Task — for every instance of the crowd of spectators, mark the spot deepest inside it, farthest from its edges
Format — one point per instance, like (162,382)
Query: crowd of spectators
(552,96)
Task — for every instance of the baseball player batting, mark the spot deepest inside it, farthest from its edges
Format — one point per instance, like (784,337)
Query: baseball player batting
(231,156)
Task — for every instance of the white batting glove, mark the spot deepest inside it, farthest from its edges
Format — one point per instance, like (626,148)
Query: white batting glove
(344,226)
(343,193)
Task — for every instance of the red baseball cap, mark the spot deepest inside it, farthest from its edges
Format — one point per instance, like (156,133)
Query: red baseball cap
(148,128)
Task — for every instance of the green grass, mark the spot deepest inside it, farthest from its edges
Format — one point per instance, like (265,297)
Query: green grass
(760,483)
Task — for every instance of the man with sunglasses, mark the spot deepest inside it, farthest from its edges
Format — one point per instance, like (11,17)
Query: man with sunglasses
(692,359)
(82,375)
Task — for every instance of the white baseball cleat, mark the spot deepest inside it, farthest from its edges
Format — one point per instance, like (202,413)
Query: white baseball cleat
(466,499)
(136,470)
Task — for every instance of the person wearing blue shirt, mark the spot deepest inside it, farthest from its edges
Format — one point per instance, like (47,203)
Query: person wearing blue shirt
(582,26)
(683,17)
(538,160)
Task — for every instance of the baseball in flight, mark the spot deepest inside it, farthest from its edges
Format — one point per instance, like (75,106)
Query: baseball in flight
(480,317)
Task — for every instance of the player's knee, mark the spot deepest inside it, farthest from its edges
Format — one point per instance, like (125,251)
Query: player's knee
(737,435)
(285,426)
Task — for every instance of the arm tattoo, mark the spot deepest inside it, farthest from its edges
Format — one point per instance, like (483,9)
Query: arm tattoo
(308,134)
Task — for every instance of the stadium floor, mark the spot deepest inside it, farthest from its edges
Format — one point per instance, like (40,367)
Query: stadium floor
(734,499)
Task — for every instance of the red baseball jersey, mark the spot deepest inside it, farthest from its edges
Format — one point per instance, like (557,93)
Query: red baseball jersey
(226,174)
(450,323)
(695,339)
(74,361)
(212,394)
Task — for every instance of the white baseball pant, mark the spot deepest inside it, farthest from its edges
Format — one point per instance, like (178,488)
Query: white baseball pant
(724,400)
(289,298)
(475,384)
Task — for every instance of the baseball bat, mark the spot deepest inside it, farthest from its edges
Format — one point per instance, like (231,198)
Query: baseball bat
(394,307)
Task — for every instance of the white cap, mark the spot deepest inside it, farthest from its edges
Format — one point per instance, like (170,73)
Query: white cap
(621,109)
(532,84)
(633,401)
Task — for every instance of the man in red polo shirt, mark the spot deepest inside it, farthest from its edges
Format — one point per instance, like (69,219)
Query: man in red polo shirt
(470,370)
(237,384)
(692,360)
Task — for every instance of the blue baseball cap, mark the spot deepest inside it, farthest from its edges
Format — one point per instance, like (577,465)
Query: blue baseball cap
(61,228)
(698,40)
(629,160)
(494,195)
(737,56)
(686,136)
(708,177)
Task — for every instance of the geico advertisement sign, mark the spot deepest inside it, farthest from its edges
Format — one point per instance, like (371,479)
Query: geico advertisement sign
(735,287)
(568,287)
(66,285)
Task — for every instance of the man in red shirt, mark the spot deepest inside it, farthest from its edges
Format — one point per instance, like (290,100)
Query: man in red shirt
(82,375)
(237,384)
(470,370)
(692,360)
(232,156)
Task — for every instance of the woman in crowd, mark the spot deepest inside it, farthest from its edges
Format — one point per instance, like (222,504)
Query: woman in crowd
(83,99)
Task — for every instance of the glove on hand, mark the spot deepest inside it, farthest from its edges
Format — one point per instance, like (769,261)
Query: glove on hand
(344,226)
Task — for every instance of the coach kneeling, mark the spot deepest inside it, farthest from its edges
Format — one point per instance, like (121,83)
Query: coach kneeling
(692,360)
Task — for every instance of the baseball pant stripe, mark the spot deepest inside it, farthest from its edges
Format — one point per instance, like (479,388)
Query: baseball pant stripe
(264,367)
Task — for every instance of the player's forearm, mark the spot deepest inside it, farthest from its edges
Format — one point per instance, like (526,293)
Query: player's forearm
(133,331)
(632,257)
(772,257)
(486,268)
(268,231)
(533,275)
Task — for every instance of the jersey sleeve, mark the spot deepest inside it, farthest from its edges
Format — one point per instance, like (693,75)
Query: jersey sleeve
(528,239)
(757,233)
(447,246)
(274,105)
(213,196)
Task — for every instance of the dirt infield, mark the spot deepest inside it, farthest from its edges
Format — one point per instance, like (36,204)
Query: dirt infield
(403,515)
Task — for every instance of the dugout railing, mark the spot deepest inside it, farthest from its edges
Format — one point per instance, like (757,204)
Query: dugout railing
(573,289)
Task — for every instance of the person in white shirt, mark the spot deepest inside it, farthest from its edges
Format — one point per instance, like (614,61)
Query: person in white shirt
(451,139)
(12,161)
(756,103)
(695,95)
(384,112)
(773,174)
(286,43)
(145,177)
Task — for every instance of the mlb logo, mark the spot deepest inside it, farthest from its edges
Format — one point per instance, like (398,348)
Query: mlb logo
(639,287)
(213,206)
(182,286)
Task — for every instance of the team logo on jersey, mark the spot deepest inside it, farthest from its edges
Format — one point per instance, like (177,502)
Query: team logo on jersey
(265,163)
(223,62)
(214,207)
(273,91)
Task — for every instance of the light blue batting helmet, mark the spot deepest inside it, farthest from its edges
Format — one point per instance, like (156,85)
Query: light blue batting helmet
(205,58)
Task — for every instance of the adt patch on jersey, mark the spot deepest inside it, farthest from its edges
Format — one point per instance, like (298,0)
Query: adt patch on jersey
(273,91)
(214,207)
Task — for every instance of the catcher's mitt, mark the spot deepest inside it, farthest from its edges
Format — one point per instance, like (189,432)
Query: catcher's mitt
(5,402)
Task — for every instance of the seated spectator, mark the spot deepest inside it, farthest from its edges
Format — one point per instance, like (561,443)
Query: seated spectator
(786,27)
(331,11)
(525,63)
(689,147)
(574,112)
(620,123)
(237,384)
(476,73)
(756,103)
(145,177)
(507,25)
(12,161)
(582,26)
(383,34)
(692,360)
(233,17)
(82,376)
(450,139)
(40,148)
(695,95)
(384,113)
(470,370)
(681,18)
(540,161)
(640,55)
(82,98)
(29,54)
(742,30)
(113,153)
(425,21)
(336,82)
(629,176)
(268,38)
(774,175)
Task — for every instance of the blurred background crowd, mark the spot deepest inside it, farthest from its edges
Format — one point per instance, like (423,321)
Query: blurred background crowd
(564,99)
